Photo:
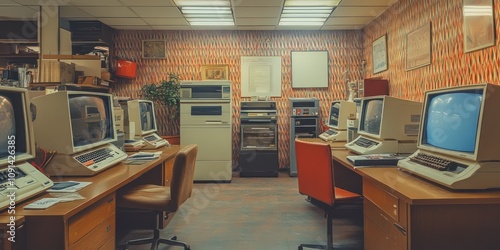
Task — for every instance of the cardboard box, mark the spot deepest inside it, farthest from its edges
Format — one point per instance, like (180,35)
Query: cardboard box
(55,71)
(88,80)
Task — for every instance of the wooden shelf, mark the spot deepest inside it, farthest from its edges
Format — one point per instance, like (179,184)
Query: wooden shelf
(27,56)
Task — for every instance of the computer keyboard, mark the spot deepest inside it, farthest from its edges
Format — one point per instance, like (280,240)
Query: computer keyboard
(4,175)
(365,143)
(95,156)
(150,138)
(331,132)
(435,162)
(28,181)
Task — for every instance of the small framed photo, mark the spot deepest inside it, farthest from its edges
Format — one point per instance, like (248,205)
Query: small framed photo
(154,49)
(418,47)
(214,72)
(479,28)
(379,50)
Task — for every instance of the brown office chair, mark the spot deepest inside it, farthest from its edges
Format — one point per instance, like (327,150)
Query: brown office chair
(315,177)
(157,199)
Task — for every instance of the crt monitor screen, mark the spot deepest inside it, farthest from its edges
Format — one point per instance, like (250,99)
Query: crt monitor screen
(90,119)
(372,116)
(12,124)
(334,114)
(451,120)
(147,116)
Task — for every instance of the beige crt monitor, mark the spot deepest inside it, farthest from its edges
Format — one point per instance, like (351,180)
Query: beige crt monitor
(80,126)
(337,120)
(19,179)
(459,139)
(387,125)
(142,114)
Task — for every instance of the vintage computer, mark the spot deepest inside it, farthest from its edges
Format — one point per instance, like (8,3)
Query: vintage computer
(78,125)
(337,120)
(459,138)
(19,180)
(142,114)
(387,125)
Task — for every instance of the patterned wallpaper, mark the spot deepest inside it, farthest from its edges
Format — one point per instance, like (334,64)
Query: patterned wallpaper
(187,51)
(450,65)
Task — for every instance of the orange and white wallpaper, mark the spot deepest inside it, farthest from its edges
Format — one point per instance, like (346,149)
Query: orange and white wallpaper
(187,51)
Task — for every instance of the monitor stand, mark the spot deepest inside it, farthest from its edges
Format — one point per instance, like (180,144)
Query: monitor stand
(334,135)
(154,141)
(365,145)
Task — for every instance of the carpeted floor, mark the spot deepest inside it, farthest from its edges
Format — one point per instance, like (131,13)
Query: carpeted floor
(256,213)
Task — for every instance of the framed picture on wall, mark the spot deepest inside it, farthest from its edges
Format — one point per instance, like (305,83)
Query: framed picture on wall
(379,50)
(418,47)
(154,49)
(214,72)
(479,28)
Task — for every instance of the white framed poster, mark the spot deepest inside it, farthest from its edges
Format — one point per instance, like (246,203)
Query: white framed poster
(309,69)
(260,76)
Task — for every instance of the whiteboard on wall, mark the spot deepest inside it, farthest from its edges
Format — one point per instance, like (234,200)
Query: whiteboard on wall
(309,69)
(260,76)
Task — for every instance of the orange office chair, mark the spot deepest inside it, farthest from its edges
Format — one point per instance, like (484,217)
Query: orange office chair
(315,177)
(156,199)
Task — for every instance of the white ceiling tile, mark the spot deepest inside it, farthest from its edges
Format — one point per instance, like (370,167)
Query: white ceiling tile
(253,27)
(256,11)
(157,11)
(40,2)
(167,3)
(123,21)
(164,27)
(94,2)
(358,11)
(348,20)
(257,2)
(18,13)
(8,2)
(367,2)
(71,11)
(257,21)
(109,11)
(132,27)
(166,21)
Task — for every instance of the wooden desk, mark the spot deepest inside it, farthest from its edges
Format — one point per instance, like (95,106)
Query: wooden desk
(89,223)
(402,211)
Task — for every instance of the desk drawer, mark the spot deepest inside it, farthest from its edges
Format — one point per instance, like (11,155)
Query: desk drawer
(381,198)
(98,237)
(87,220)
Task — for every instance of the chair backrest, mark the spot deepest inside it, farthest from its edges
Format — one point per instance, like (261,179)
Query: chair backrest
(315,170)
(181,185)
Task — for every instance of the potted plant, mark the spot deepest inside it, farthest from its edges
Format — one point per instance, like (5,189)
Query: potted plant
(166,96)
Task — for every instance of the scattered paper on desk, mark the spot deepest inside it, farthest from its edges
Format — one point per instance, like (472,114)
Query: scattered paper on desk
(65,197)
(144,156)
(81,184)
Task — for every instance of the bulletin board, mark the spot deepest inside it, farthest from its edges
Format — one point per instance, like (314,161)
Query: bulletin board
(309,69)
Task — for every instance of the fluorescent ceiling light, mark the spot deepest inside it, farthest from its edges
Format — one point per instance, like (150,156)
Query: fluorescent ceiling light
(305,15)
(196,23)
(181,3)
(330,3)
(208,15)
(476,10)
(301,23)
